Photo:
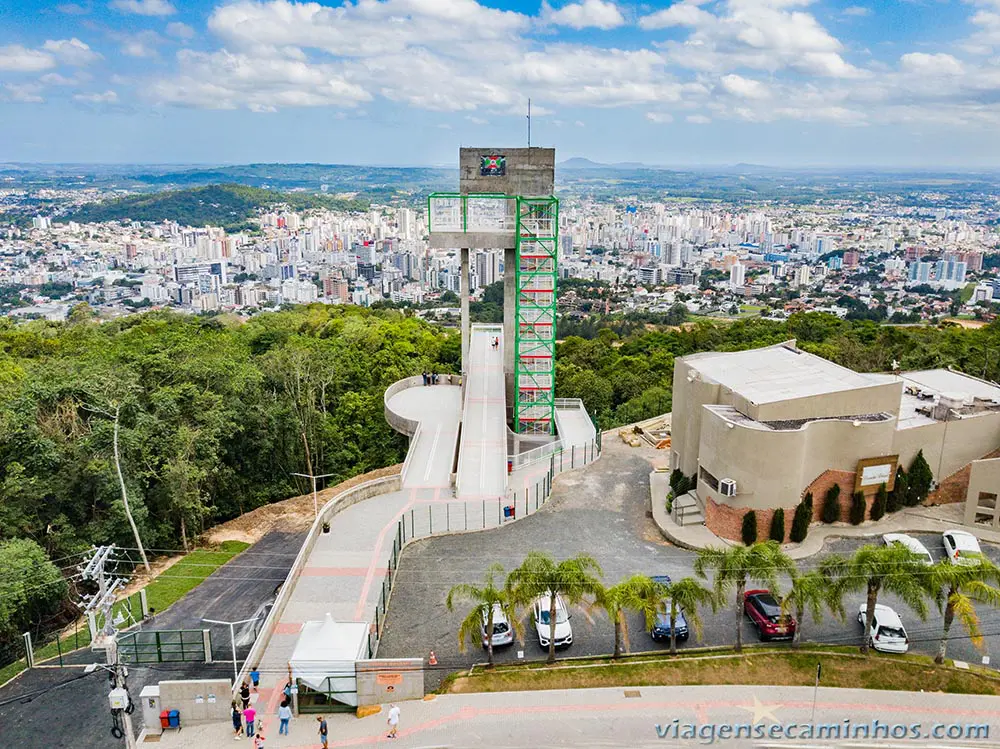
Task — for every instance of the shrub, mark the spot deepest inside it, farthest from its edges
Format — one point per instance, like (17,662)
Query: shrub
(857,514)
(749,532)
(879,505)
(919,479)
(808,500)
(777,526)
(897,497)
(800,523)
(675,476)
(831,504)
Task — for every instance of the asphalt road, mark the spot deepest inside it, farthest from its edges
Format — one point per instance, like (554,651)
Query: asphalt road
(63,707)
(601,511)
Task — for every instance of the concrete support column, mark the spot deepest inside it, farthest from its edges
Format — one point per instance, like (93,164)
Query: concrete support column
(509,321)
(466,323)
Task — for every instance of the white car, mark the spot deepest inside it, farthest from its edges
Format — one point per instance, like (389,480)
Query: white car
(503,633)
(540,615)
(887,633)
(961,547)
(910,543)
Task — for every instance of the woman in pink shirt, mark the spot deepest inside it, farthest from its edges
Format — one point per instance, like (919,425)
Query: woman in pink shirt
(248,715)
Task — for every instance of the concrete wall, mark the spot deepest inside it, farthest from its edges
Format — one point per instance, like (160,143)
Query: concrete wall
(398,422)
(879,398)
(385,680)
(530,171)
(949,445)
(688,399)
(984,477)
(184,696)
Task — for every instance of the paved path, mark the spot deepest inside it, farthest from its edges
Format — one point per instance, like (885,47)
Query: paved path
(438,408)
(612,717)
(482,463)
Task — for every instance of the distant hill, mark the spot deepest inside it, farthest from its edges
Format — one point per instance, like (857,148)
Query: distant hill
(582,163)
(228,205)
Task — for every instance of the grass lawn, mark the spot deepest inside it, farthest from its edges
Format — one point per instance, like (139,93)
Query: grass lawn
(967,291)
(168,587)
(843,667)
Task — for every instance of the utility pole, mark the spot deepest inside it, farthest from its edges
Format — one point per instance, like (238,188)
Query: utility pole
(103,601)
(315,495)
(529,123)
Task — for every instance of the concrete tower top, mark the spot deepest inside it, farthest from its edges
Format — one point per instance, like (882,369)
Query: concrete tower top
(509,171)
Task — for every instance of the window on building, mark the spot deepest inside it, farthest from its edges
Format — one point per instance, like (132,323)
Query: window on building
(709,479)
(987,501)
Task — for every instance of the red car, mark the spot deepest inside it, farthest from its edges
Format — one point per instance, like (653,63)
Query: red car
(765,612)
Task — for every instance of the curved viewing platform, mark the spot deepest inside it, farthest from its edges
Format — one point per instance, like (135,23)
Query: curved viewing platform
(429,415)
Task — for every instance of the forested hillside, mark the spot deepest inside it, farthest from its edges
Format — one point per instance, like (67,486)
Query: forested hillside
(230,206)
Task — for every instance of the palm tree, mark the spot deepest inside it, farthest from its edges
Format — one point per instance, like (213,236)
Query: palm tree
(893,569)
(735,566)
(539,575)
(486,598)
(813,592)
(637,593)
(966,585)
(686,595)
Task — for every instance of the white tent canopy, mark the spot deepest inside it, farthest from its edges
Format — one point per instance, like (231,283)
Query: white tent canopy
(328,650)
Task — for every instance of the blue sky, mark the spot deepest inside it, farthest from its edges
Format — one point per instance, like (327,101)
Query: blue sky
(695,82)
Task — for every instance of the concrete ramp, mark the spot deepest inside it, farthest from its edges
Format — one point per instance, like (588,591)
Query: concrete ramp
(436,410)
(573,424)
(482,459)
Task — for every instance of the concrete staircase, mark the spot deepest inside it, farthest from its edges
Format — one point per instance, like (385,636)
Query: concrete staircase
(687,510)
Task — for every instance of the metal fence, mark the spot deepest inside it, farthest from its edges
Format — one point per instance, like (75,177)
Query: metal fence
(165,646)
(440,518)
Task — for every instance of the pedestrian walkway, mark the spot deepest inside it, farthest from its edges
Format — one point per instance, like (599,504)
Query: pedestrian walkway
(438,410)
(628,718)
(482,461)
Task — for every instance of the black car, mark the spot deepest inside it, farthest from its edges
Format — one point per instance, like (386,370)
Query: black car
(661,627)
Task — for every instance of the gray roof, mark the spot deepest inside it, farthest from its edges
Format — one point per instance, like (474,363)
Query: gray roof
(777,373)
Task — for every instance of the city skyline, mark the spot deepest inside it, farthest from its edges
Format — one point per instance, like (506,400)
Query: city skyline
(788,83)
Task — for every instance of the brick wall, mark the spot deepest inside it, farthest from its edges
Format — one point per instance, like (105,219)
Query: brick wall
(727,522)
(824,482)
(954,488)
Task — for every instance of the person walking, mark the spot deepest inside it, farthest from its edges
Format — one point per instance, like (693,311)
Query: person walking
(237,722)
(284,715)
(245,694)
(323,731)
(393,721)
(258,742)
(248,715)
(255,678)
(287,691)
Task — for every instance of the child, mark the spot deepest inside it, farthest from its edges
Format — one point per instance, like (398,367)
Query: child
(393,721)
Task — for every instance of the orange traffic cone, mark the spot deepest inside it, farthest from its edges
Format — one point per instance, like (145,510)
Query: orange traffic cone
(433,660)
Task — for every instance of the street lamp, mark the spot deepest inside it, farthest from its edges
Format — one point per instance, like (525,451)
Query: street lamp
(232,641)
(315,496)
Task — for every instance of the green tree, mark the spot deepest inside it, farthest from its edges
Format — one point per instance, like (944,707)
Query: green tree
(749,530)
(539,575)
(831,504)
(813,592)
(880,503)
(801,520)
(31,587)
(857,512)
(632,594)
(735,566)
(958,588)
(687,595)
(876,569)
(919,479)
(900,489)
(777,532)
(485,599)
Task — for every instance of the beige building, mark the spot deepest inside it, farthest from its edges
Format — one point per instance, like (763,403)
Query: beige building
(759,428)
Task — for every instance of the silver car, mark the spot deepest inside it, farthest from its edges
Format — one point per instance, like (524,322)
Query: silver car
(503,633)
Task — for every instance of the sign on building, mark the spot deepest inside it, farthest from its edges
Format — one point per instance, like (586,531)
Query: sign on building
(873,472)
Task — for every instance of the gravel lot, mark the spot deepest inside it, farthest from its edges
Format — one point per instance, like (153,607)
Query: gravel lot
(601,510)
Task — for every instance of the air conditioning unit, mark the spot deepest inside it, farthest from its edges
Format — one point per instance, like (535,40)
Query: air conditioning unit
(727,488)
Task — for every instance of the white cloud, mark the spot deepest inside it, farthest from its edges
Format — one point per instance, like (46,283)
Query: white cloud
(600,14)
(921,63)
(107,97)
(74,9)
(678,14)
(180,30)
(746,88)
(20,59)
(698,119)
(55,79)
(477,120)
(144,7)
(26,93)
(857,11)
(71,51)
(660,118)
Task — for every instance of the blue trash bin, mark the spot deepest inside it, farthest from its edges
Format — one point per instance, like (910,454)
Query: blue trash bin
(175,718)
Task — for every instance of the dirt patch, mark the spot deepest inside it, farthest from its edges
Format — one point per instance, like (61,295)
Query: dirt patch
(293,514)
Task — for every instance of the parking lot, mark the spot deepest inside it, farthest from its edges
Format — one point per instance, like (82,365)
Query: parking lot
(601,511)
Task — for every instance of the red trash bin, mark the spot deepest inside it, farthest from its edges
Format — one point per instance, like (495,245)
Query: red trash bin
(165,719)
